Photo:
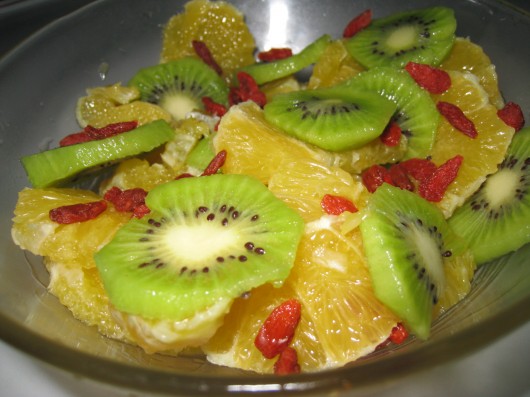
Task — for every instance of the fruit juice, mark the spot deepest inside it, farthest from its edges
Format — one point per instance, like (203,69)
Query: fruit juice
(280,225)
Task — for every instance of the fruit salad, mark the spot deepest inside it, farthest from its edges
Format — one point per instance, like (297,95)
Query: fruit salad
(280,224)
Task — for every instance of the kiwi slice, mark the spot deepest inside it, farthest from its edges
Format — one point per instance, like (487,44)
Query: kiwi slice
(406,240)
(57,166)
(416,111)
(179,86)
(207,239)
(201,154)
(423,36)
(494,220)
(268,71)
(334,119)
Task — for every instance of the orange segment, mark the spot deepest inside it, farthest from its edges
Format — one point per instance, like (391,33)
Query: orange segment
(334,66)
(254,147)
(68,251)
(482,154)
(341,319)
(467,56)
(219,25)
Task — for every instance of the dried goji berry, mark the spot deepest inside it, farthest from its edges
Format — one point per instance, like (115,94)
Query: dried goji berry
(248,90)
(512,115)
(434,80)
(74,213)
(399,334)
(202,50)
(216,163)
(456,117)
(391,135)
(399,177)
(375,176)
(287,363)
(278,329)
(127,200)
(358,23)
(212,107)
(275,54)
(433,188)
(184,175)
(336,205)
(419,169)
(90,133)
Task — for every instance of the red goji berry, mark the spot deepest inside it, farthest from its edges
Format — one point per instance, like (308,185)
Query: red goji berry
(287,363)
(433,188)
(184,175)
(399,334)
(216,163)
(278,329)
(127,200)
(512,115)
(248,90)
(275,54)
(399,177)
(336,205)
(375,176)
(419,169)
(358,23)
(202,50)
(434,80)
(212,107)
(74,213)
(391,135)
(90,133)
(456,117)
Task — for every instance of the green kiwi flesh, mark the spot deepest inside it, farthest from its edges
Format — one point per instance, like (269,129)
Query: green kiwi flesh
(494,220)
(416,111)
(201,154)
(406,240)
(423,36)
(207,239)
(58,166)
(179,86)
(333,119)
(270,71)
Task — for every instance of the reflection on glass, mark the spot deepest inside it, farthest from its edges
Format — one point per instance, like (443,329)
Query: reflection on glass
(278,18)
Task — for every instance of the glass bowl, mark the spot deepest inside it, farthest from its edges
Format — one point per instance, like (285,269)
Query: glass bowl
(108,41)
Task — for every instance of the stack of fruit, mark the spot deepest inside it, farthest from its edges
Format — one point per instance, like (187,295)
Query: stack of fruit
(283,225)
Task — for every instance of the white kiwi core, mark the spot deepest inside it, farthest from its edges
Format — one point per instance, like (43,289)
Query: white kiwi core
(402,38)
(500,187)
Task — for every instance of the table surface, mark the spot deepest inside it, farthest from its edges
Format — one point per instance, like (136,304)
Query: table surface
(500,369)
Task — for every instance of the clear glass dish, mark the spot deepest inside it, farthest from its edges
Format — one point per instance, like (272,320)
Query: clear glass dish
(107,42)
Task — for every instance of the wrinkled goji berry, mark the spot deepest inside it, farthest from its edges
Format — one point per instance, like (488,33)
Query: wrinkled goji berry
(278,329)
(433,188)
(90,133)
(512,115)
(336,205)
(75,213)
(432,79)
(275,54)
(129,200)
(456,117)
(202,50)
(399,177)
(216,164)
(375,176)
(391,135)
(399,334)
(212,107)
(357,24)
(248,90)
(419,169)
(287,363)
